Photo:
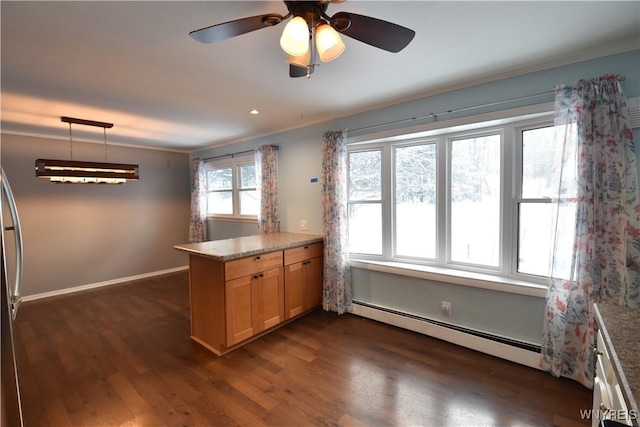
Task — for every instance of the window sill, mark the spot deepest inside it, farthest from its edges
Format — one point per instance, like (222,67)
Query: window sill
(464,278)
(250,220)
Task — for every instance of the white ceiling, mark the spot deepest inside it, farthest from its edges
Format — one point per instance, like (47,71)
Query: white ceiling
(134,65)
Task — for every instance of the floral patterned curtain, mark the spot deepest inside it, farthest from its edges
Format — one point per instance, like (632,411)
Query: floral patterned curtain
(606,251)
(198,222)
(337,279)
(267,181)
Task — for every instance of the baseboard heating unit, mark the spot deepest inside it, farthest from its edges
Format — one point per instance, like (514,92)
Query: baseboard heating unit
(516,351)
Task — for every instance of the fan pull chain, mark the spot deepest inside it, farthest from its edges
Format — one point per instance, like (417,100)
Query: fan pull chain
(70,141)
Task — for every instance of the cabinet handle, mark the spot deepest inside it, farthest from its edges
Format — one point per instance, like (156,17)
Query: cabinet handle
(596,351)
(261,275)
(257,258)
(306,247)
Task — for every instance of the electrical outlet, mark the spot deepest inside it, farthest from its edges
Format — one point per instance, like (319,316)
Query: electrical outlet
(304,225)
(446,308)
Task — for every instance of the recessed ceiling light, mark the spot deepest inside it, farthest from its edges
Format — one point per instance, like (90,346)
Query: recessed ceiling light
(254,111)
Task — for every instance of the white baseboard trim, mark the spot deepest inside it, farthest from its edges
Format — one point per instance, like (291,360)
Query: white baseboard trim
(101,284)
(483,345)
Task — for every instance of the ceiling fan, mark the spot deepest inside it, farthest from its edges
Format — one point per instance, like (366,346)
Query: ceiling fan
(311,24)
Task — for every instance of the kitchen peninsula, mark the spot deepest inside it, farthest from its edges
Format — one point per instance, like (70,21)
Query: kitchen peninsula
(242,288)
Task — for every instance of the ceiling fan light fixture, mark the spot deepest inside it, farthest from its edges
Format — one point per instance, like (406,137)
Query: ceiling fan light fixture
(329,43)
(295,37)
(310,26)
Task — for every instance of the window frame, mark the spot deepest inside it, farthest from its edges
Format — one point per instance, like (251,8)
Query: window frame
(393,205)
(510,129)
(449,139)
(235,163)
(383,195)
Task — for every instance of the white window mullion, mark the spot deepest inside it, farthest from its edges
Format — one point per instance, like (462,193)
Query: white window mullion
(509,183)
(388,214)
(443,204)
(236,193)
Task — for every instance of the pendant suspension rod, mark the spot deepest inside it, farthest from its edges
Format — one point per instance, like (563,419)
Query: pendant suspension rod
(70,142)
(105,144)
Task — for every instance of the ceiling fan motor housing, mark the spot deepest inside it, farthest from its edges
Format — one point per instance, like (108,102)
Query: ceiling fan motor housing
(311,11)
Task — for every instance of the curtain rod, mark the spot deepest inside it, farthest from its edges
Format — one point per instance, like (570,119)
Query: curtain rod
(434,116)
(232,155)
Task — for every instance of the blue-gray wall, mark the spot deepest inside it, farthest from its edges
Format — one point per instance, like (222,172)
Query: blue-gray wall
(300,158)
(83,235)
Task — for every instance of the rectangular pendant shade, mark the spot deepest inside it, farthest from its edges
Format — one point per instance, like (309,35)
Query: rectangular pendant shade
(77,172)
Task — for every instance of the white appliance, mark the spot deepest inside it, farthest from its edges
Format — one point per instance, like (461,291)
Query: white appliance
(12,266)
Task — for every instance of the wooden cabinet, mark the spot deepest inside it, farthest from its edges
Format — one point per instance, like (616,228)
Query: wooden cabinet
(303,279)
(608,402)
(237,300)
(254,304)
(254,295)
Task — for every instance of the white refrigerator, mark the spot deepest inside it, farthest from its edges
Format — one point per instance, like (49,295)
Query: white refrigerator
(12,266)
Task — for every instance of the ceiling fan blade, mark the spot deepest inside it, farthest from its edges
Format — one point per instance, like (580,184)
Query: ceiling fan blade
(295,71)
(226,30)
(372,31)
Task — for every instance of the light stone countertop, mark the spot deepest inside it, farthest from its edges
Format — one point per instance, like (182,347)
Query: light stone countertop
(240,247)
(620,328)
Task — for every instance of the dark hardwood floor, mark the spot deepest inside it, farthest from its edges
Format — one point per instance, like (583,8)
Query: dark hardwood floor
(122,356)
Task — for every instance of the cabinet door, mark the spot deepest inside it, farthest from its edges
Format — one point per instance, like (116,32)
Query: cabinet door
(240,316)
(303,286)
(313,283)
(270,299)
(294,290)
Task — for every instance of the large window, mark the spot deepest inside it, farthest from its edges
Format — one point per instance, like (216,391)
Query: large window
(479,200)
(231,188)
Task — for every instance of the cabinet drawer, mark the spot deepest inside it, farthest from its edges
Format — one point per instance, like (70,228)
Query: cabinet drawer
(293,255)
(253,264)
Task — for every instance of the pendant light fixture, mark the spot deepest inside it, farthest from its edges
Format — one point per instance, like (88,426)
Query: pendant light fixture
(80,172)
